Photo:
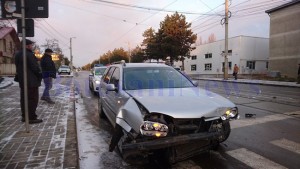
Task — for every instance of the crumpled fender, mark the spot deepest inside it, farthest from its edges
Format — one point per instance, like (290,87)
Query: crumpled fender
(130,116)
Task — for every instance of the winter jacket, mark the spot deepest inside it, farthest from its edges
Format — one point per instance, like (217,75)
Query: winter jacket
(48,66)
(34,76)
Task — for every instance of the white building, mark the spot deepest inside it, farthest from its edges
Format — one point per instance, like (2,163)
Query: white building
(249,53)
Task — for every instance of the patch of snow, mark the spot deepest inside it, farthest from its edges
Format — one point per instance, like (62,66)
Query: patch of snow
(7,138)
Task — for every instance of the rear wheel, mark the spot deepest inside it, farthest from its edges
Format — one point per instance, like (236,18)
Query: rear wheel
(100,110)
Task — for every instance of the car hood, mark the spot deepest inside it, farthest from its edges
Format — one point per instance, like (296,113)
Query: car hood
(182,102)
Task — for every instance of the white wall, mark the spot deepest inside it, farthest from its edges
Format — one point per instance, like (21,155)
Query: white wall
(244,48)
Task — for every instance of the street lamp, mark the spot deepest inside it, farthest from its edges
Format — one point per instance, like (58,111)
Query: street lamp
(71,56)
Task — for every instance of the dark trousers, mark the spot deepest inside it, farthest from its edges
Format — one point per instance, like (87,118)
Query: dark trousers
(235,76)
(33,99)
(48,86)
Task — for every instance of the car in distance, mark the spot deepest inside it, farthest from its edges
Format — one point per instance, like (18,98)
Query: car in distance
(157,112)
(95,77)
(64,69)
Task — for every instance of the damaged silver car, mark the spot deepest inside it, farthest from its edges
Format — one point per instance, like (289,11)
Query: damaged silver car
(156,111)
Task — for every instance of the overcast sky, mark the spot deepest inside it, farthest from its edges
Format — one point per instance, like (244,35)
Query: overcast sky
(99,26)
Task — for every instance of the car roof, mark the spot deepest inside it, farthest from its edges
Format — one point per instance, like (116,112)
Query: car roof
(128,65)
(100,67)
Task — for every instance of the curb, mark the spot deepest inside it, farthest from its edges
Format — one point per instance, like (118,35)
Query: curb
(6,85)
(73,100)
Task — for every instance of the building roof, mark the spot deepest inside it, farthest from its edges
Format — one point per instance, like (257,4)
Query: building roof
(4,31)
(282,6)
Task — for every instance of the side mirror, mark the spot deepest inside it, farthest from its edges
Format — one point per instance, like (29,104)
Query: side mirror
(195,82)
(111,87)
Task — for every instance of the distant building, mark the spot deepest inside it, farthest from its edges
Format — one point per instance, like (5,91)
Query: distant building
(285,38)
(9,43)
(249,53)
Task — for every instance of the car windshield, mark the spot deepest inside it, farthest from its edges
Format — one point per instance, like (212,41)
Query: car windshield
(154,78)
(100,71)
(64,67)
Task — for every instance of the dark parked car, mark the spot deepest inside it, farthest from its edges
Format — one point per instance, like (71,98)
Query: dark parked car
(158,112)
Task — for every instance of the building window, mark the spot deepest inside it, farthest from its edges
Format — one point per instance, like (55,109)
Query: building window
(250,65)
(11,47)
(229,66)
(4,45)
(207,66)
(193,67)
(194,57)
(208,55)
(267,65)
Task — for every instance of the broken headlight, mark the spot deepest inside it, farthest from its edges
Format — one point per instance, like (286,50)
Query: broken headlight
(149,128)
(231,114)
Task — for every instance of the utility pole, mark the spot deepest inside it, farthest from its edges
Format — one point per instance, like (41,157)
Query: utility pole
(25,66)
(226,42)
(71,56)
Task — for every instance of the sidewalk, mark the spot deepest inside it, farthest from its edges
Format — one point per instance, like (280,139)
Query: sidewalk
(50,144)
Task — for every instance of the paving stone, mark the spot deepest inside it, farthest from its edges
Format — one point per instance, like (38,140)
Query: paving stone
(47,144)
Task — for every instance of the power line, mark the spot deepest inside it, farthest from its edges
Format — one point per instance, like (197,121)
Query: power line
(139,22)
(261,5)
(148,8)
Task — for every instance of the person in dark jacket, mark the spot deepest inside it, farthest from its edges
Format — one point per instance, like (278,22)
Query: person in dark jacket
(49,72)
(34,78)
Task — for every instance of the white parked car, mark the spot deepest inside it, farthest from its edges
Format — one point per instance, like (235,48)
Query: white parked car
(95,77)
(64,69)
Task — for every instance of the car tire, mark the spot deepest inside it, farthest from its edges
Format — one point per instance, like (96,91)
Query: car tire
(100,111)
(227,130)
(90,85)
(118,133)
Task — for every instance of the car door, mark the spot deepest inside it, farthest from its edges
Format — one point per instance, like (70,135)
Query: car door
(114,98)
(103,92)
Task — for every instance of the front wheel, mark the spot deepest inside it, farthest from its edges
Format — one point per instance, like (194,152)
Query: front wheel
(226,130)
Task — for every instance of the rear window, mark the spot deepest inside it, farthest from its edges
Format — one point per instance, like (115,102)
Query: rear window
(100,71)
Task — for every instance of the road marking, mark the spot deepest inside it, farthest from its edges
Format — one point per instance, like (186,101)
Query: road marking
(255,121)
(253,160)
(288,145)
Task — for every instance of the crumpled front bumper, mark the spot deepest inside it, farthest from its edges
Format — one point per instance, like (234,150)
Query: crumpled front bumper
(165,142)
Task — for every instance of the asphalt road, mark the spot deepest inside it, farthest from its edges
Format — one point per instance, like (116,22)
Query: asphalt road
(269,139)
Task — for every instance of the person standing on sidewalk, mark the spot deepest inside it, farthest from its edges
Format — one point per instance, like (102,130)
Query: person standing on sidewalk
(298,79)
(49,72)
(235,71)
(34,78)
